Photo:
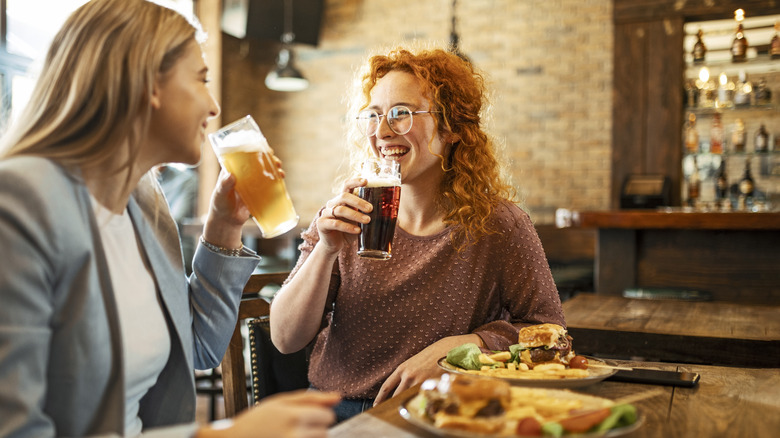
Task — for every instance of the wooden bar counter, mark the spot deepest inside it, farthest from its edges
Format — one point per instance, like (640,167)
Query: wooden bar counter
(734,257)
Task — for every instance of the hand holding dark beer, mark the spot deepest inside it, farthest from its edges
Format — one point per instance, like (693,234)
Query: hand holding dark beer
(367,206)
(340,218)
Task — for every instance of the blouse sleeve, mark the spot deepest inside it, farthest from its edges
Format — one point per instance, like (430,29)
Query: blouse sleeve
(527,290)
(310,238)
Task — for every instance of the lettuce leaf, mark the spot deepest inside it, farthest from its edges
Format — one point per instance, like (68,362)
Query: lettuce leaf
(465,356)
(516,349)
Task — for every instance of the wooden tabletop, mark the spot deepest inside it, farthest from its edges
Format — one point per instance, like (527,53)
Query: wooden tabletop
(670,330)
(728,402)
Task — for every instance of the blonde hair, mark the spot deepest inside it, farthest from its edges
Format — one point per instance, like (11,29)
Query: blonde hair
(473,185)
(93,93)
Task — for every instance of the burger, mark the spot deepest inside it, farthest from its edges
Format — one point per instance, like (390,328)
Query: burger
(467,403)
(544,343)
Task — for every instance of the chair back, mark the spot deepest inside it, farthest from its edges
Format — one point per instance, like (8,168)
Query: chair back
(253,305)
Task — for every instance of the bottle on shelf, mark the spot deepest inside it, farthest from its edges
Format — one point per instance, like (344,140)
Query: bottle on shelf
(694,184)
(725,92)
(699,49)
(706,88)
(761,143)
(716,135)
(721,183)
(740,44)
(739,136)
(774,46)
(743,90)
(691,135)
(746,187)
(762,93)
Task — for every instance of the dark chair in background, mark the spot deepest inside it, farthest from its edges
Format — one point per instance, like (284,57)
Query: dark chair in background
(271,370)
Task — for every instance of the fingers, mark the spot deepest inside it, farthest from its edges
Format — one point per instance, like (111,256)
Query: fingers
(346,210)
(327,399)
(278,164)
(387,389)
(353,183)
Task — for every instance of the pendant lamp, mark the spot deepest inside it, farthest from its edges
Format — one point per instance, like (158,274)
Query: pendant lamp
(454,37)
(285,77)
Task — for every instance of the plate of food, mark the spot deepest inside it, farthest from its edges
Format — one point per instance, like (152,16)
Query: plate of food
(464,406)
(543,357)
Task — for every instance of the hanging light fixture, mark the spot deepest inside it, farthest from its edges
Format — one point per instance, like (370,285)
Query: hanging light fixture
(285,77)
(454,37)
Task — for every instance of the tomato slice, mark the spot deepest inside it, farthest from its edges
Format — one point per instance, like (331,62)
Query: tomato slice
(583,422)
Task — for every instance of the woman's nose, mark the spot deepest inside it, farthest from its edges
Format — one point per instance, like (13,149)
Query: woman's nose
(383,129)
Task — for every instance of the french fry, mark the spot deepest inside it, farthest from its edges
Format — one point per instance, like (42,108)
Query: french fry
(502,356)
(484,358)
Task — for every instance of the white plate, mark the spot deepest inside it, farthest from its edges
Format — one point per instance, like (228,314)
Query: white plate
(423,423)
(595,375)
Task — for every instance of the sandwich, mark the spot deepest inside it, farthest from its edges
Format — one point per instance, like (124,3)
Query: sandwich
(492,407)
(466,403)
(543,344)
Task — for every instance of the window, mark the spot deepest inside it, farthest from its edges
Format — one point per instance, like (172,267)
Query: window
(25,35)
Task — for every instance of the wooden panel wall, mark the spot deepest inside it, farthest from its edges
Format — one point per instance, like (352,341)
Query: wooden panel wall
(647,111)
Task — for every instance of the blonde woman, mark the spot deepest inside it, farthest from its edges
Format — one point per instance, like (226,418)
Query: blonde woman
(100,329)
(467,264)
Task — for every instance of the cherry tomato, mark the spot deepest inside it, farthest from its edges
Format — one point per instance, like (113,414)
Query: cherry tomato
(579,362)
(529,426)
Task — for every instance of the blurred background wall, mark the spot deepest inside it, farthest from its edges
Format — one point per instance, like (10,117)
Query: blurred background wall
(548,65)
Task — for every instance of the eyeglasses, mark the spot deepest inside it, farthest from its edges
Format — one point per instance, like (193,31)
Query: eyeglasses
(399,118)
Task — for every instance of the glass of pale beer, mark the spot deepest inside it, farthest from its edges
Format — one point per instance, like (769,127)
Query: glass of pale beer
(244,152)
(383,191)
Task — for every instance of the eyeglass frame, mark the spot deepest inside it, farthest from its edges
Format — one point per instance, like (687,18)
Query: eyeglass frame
(411,114)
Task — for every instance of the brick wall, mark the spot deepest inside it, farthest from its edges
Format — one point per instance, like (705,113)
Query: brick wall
(549,65)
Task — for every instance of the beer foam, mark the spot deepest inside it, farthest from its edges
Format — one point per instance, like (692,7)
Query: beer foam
(243,141)
(246,147)
(383,181)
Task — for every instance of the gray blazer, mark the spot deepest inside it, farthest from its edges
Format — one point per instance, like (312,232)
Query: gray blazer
(60,354)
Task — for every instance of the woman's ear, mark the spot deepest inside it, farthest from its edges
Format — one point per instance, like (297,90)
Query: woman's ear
(451,138)
(155,99)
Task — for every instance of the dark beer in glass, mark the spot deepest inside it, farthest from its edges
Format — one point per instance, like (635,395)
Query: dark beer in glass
(383,191)
(376,237)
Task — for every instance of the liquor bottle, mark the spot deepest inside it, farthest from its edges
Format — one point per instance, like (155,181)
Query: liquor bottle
(739,46)
(746,187)
(762,93)
(691,135)
(739,136)
(721,182)
(716,135)
(699,49)
(761,143)
(774,46)
(725,92)
(743,91)
(694,185)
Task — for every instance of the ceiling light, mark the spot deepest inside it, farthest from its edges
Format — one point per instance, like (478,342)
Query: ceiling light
(285,77)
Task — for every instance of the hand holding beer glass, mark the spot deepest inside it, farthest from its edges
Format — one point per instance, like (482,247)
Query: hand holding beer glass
(244,152)
(383,191)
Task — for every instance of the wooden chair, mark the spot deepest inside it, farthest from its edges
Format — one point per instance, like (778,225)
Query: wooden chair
(271,370)
(253,305)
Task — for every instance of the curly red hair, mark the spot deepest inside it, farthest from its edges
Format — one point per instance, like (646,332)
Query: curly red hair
(472,186)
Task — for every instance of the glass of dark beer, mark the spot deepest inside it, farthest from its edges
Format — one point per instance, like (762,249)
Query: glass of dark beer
(383,191)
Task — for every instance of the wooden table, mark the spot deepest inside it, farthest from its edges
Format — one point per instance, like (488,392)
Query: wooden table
(676,331)
(729,402)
